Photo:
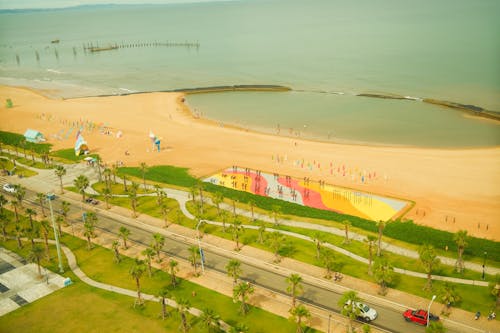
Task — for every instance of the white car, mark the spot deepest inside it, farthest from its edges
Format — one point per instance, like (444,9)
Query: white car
(365,312)
(9,188)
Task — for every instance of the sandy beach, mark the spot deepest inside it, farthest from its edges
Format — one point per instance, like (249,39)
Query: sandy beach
(453,189)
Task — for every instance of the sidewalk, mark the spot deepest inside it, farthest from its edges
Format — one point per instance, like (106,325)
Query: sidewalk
(396,299)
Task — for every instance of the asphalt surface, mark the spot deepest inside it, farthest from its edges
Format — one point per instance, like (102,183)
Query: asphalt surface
(388,318)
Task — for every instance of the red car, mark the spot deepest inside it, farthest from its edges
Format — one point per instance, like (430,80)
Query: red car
(418,316)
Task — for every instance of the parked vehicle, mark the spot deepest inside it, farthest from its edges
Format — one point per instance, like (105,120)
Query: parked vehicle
(365,312)
(419,316)
(51,196)
(92,201)
(9,188)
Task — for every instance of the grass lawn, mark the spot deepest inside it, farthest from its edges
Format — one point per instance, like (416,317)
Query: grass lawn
(19,171)
(119,189)
(473,297)
(305,251)
(68,155)
(83,308)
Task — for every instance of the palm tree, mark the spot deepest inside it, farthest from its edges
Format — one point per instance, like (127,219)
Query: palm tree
(210,320)
(183,306)
(448,296)
(32,233)
(348,305)
(132,194)
(89,227)
(124,177)
(276,213)
(460,239)
(65,206)
(3,202)
(4,221)
(234,207)
(370,239)
(81,183)
(224,215)
(41,200)
(236,231)
(294,287)
(199,186)
(35,255)
(15,204)
(276,240)
(494,287)
(30,212)
(164,212)
(318,240)
(98,164)
(383,274)
(239,328)
(429,260)
(346,224)
(59,222)
(45,231)
(144,169)
(60,171)
(241,291)
(252,206)
(159,194)
(194,254)
(115,246)
(381,226)
(299,313)
(217,199)
(20,193)
(435,327)
(163,294)
(261,230)
(157,244)
(233,269)
(107,178)
(124,233)
(88,232)
(114,172)
(19,233)
(136,271)
(328,258)
(148,253)
(107,195)
(173,269)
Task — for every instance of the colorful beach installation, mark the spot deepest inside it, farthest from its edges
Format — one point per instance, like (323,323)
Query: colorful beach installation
(308,193)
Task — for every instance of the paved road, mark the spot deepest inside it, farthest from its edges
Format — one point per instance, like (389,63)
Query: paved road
(389,318)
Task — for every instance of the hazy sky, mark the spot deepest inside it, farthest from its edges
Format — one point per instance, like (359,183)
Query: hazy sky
(18,4)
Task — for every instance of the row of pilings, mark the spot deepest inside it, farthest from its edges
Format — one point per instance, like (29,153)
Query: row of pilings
(93,47)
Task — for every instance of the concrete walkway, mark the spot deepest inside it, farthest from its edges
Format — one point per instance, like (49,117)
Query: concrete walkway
(74,170)
(365,288)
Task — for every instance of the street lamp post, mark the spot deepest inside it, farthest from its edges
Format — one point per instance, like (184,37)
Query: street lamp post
(199,246)
(429,309)
(56,235)
(484,263)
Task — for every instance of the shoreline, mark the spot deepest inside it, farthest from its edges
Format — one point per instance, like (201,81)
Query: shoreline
(486,115)
(444,183)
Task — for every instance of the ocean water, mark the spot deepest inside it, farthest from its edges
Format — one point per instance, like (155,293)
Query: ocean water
(447,50)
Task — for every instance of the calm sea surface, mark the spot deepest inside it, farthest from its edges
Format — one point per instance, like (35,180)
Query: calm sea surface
(326,50)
